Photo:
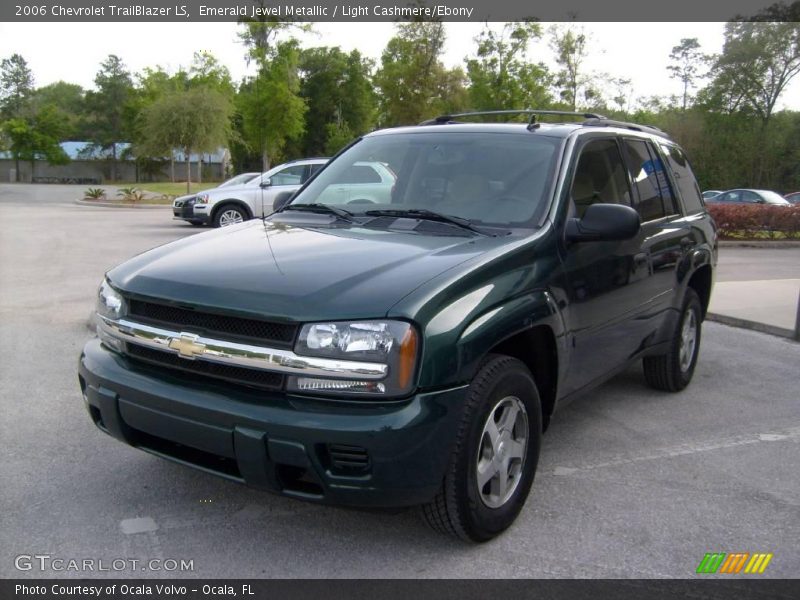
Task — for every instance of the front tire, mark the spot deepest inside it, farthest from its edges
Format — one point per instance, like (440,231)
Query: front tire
(229,214)
(494,459)
(673,370)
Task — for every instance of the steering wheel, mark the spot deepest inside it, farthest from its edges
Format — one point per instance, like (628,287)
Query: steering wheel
(362,201)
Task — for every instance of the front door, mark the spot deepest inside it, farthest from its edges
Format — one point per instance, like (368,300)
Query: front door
(287,179)
(606,280)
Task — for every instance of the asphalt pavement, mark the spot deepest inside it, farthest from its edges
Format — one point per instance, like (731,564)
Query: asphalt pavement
(631,483)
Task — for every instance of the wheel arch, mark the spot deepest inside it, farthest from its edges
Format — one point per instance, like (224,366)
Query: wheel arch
(529,329)
(536,348)
(231,201)
(701,281)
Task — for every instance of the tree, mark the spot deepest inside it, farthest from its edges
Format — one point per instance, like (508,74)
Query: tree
(260,35)
(501,76)
(412,79)
(758,61)
(16,86)
(111,108)
(687,65)
(153,85)
(206,71)
(271,108)
(194,120)
(37,136)
(341,102)
(571,52)
(623,90)
(69,99)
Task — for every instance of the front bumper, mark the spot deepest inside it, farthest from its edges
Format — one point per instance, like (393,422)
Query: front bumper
(188,212)
(347,453)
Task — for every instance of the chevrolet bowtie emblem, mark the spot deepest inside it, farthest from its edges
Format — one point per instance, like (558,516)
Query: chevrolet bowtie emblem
(187,345)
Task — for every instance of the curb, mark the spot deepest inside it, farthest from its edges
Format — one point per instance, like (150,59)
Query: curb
(752,325)
(778,244)
(119,205)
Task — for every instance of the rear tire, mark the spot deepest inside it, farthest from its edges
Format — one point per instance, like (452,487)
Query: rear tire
(673,370)
(494,459)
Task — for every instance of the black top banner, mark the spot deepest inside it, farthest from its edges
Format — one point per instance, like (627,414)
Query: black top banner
(393,10)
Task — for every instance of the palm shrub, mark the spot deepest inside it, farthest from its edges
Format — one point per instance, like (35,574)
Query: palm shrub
(94,193)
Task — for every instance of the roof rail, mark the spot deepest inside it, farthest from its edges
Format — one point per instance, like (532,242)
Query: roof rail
(603,122)
(443,119)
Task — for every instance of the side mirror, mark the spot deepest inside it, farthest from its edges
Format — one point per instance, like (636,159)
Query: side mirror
(265,183)
(282,200)
(604,222)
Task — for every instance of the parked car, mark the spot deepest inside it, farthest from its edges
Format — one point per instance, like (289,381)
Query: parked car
(366,182)
(411,350)
(708,194)
(793,198)
(748,196)
(229,204)
(188,200)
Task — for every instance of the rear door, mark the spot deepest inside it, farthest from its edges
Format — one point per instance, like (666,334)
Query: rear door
(664,235)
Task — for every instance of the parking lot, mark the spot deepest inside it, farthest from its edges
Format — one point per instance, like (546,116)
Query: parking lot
(631,482)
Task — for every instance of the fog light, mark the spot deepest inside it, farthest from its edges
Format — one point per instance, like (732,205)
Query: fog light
(311,384)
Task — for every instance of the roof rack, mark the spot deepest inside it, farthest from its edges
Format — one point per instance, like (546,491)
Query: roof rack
(591,119)
(443,119)
(603,122)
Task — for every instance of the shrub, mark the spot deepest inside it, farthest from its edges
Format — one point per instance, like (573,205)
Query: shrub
(94,194)
(756,221)
(131,194)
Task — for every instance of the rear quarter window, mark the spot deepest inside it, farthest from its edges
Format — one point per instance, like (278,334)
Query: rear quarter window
(684,178)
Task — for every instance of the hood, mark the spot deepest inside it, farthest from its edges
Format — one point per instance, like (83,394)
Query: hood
(295,271)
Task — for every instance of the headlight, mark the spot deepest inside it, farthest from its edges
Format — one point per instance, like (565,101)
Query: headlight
(201,199)
(393,343)
(111,306)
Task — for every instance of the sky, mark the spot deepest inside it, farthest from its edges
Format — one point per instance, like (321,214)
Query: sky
(73,51)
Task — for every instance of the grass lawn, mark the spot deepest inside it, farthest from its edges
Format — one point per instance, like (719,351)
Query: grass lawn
(166,187)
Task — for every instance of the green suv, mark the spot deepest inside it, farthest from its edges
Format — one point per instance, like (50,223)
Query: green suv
(409,347)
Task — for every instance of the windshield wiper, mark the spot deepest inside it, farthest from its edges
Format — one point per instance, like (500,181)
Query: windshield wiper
(323,209)
(428,215)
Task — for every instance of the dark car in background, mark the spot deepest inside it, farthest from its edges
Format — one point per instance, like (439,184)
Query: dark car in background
(793,198)
(410,346)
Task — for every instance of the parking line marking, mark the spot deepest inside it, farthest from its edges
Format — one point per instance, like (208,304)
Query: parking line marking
(683,450)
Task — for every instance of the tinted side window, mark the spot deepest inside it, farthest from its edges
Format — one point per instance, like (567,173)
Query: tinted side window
(751,197)
(645,180)
(684,179)
(664,186)
(599,177)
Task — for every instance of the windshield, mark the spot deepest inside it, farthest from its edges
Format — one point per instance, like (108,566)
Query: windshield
(491,179)
(240,179)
